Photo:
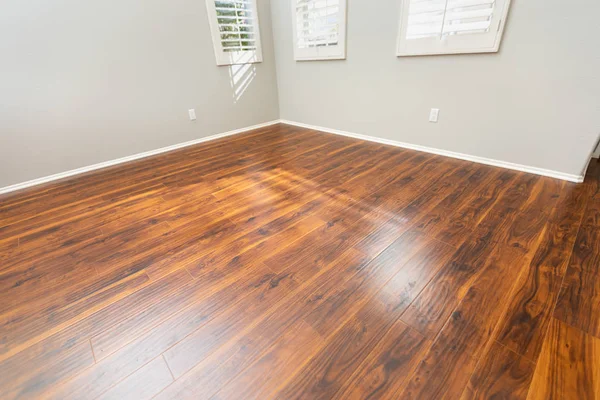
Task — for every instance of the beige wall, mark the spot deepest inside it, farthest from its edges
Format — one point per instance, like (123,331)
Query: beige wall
(536,102)
(87,81)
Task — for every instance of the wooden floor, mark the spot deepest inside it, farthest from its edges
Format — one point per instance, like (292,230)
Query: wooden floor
(289,264)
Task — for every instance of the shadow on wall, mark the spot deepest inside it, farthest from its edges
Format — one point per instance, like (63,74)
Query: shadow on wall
(242,73)
(597,152)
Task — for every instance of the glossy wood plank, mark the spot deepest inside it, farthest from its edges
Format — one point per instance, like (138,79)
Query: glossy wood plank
(351,269)
(262,378)
(388,366)
(524,326)
(216,370)
(59,355)
(33,382)
(181,360)
(500,374)
(451,219)
(450,362)
(506,229)
(579,299)
(346,350)
(40,323)
(320,293)
(202,342)
(432,307)
(116,367)
(34,287)
(569,365)
(143,384)
(321,377)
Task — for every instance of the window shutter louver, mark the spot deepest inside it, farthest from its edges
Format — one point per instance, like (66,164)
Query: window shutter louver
(451,26)
(235,30)
(319,29)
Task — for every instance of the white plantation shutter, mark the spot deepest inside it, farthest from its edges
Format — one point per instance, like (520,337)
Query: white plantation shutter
(235,31)
(319,29)
(451,26)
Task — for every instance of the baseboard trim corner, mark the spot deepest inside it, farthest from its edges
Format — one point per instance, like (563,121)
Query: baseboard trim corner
(445,153)
(90,168)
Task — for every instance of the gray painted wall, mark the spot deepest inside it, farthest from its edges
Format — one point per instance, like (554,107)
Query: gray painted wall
(82,82)
(536,102)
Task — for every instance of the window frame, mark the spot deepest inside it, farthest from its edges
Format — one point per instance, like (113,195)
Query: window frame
(224,58)
(326,52)
(459,44)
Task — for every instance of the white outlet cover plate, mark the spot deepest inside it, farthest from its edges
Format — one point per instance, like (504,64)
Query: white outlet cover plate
(434,114)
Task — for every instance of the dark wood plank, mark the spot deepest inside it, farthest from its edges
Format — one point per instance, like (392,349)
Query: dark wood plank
(453,218)
(36,286)
(387,367)
(214,371)
(524,326)
(500,374)
(504,227)
(182,357)
(116,367)
(36,324)
(432,307)
(65,353)
(202,342)
(579,299)
(321,378)
(324,374)
(448,365)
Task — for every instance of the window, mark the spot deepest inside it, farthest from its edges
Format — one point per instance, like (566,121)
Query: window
(451,26)
(319,29)
(235,31)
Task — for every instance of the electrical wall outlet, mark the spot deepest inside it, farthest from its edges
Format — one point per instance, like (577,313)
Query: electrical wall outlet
(192,114)
(434,114)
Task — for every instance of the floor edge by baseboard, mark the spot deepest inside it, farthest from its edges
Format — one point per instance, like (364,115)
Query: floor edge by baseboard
(78,171)
(466,157)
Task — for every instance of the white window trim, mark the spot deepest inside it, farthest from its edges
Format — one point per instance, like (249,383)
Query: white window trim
(321,53)
(233,58)
(429,48)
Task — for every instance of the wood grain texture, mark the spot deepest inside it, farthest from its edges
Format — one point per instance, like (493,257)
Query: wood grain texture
(145,383)
(448,365)
(524,326)
(289,263)
(387,367)
(579,299)
(569,365)
(500,374)
(281,360)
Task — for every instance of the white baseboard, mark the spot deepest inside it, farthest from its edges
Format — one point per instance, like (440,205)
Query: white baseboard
(481,160)
(466,157)
(134,157)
